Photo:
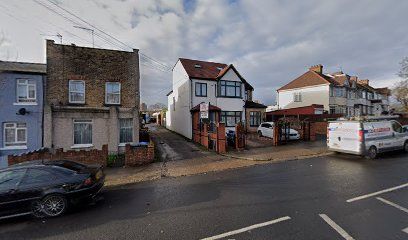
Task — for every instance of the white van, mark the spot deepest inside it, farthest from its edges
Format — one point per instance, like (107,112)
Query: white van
(366,137)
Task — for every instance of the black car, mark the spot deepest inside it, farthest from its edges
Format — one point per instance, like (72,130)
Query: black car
(47,188)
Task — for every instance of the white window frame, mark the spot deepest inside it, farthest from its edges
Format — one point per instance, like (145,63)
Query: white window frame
(120,127)
(106,93)
(27,85)
(82,145)
(17,144)
(297,97)
(69,91)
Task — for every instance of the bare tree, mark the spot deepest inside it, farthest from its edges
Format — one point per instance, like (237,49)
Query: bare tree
(400,89)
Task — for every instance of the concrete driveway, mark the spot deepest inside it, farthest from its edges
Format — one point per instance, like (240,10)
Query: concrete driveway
(172,146)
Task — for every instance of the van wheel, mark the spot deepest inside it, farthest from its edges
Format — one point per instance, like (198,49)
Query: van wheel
(260,133)
(372,152)
(406,146)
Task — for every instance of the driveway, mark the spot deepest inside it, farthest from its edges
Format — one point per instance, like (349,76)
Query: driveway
(172,146)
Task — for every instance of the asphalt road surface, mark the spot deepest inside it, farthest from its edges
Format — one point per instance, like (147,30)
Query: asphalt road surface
(336,197)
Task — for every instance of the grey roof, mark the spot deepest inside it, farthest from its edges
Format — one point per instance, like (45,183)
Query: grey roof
(23,67)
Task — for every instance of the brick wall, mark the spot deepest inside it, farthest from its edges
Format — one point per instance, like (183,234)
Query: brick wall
(139,155)
(317,128)
(93,156)
(94,66)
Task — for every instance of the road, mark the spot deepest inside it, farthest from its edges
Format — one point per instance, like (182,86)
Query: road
(304,199)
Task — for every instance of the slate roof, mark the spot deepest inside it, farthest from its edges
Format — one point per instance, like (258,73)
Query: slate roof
(209,70)
(23,67)
(309,78)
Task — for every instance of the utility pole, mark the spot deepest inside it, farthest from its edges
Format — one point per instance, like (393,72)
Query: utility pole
(89,30)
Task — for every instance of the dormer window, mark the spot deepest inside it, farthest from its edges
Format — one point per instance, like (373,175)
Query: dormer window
(197,65)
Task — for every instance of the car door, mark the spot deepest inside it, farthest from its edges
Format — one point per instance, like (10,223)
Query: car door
(268,130)
(9,195)
(35,182)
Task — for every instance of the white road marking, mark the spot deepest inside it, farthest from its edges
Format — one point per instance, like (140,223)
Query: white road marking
(245,229)
(405,230)
(393,204)
(336,227)
(377,193)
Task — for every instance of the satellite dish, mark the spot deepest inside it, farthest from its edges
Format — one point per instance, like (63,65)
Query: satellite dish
(22,111)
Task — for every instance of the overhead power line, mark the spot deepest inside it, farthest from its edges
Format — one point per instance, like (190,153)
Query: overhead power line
(162,65)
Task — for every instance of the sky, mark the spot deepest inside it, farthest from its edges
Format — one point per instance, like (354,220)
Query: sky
(270,42)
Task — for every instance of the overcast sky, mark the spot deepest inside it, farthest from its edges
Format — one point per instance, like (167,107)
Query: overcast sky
(269,42)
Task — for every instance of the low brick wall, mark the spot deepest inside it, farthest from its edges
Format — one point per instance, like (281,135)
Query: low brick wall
(317,128)
(139,155)
(93,156)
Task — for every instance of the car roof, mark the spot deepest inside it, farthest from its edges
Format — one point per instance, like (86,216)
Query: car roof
(267,122)
(35,163)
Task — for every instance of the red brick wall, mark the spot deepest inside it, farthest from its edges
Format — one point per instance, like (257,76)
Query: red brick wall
(317,128)
(136,156)
(93,156)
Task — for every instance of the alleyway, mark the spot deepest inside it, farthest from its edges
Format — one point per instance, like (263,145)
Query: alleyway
(172,146)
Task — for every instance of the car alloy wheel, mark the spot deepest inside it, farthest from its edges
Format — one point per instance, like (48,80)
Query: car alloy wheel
(54,205)
(260,133)
(37,209)
(406,146)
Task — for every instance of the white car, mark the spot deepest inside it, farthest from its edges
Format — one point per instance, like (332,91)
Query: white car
(266,130)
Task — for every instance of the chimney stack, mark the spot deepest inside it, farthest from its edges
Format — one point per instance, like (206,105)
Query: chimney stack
(317,68)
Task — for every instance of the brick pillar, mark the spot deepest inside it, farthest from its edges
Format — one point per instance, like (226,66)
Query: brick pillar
(113,128)
(275,134)
(204,136)
(221,141)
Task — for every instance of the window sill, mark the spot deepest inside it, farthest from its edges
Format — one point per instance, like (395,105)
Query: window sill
(112,104)
(25,103)
(14,148)
(123,144)
(82,146)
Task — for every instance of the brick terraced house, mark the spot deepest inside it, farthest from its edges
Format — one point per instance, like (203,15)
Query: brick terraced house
(338,92)
(220,85)
(92,98)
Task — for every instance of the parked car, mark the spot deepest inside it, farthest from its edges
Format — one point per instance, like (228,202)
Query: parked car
(366,137)
(46,188)
(265,129)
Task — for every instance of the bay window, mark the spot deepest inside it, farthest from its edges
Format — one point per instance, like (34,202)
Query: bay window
(231,118)
(230,89)
(254,119)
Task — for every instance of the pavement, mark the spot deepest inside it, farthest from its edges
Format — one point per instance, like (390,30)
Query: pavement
(330,197)
(212,163)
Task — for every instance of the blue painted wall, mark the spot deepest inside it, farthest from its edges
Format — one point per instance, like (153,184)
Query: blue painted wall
(8,110)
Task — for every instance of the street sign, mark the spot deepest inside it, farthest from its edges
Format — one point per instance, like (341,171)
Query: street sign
(204,107)
(203,115)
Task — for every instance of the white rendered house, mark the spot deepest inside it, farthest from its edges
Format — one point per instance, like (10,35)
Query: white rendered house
(338,92)
(218,84)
